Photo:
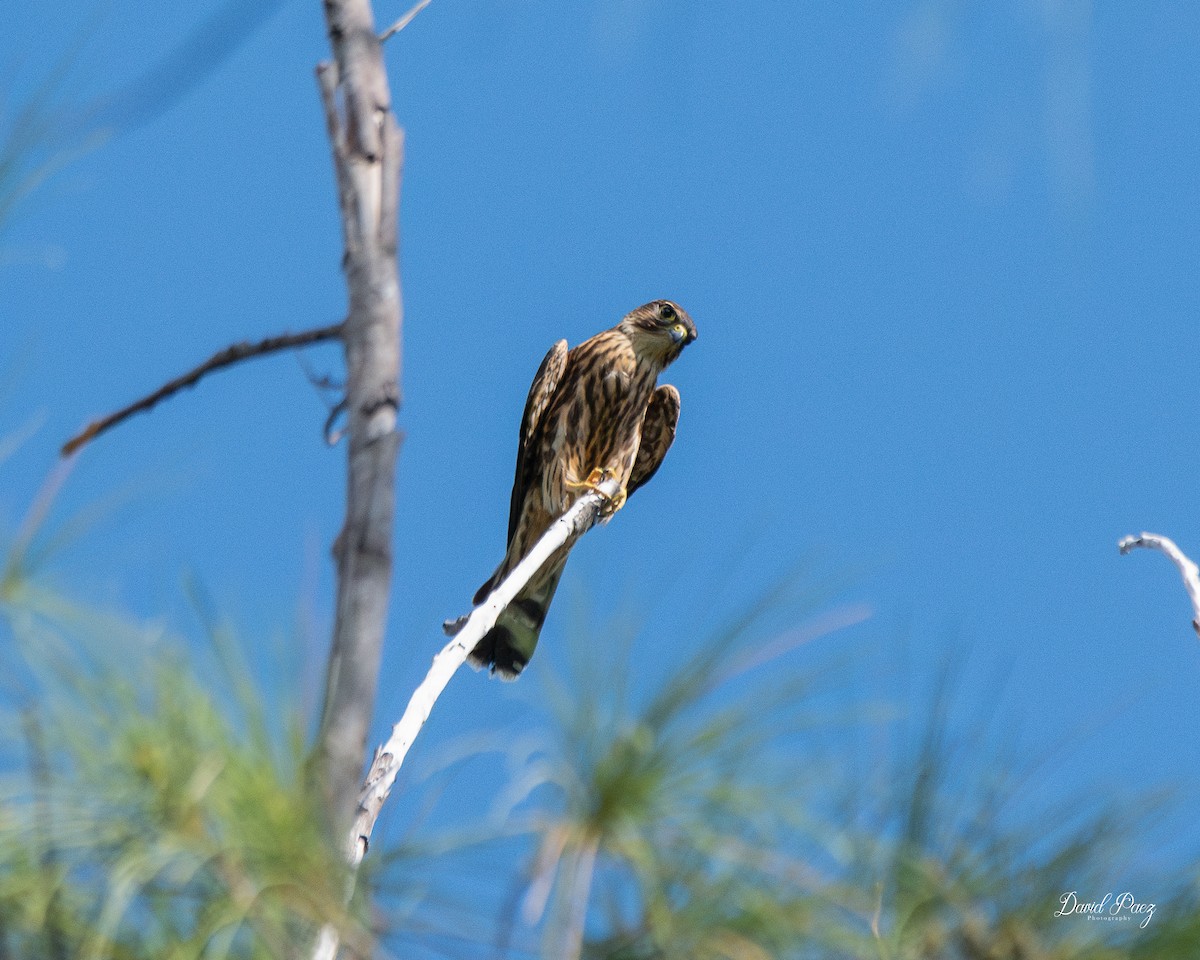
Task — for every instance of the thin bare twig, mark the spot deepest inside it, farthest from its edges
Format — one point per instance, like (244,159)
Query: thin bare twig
(404,21)
(1187,569)
(333,436)
(583,515)
(320,381)
(227,357)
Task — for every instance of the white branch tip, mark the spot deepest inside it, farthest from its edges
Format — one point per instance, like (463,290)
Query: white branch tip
(1187,568)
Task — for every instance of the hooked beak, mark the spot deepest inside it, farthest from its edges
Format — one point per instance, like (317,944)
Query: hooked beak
(682,335)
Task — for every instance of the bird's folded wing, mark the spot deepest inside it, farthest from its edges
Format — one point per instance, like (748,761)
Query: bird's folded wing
(658,433)
(545,382)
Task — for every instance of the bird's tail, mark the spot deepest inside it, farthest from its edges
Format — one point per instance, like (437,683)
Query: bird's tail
(507,647)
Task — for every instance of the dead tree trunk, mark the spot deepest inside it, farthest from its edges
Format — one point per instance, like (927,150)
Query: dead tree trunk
(368,150)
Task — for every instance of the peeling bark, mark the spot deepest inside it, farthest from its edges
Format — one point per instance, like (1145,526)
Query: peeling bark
(368,149)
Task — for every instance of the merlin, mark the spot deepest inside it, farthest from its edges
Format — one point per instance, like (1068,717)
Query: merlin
(593,414)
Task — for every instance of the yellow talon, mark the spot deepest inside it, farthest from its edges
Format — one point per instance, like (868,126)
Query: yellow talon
(593,481)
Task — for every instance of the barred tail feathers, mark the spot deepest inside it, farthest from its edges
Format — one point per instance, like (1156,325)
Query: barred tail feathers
(507,647)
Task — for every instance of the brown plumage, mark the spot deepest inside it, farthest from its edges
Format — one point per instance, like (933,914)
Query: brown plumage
(593,412)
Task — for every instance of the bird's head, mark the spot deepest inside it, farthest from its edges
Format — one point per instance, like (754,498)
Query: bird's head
(659,330)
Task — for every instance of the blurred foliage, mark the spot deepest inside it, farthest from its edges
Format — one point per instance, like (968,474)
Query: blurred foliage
(149,816)
(154,804)
(39,136)
(156,801)
(148,807)
(688,827)
(42,130)
(672,812)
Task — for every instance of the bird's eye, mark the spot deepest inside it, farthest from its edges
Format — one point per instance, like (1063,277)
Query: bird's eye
(667,312)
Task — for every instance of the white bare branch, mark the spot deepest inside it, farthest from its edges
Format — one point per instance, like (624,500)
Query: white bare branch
(403,22)
(1187,569)
(573,524)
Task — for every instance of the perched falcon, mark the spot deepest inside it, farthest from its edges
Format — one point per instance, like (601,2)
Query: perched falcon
(593,413)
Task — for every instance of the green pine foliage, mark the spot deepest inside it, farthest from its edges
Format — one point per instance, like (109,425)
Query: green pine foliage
(154,803)
(714,822)
(146,812)
(148,807)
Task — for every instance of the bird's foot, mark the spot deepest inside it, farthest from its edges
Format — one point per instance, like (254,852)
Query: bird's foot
(592,484)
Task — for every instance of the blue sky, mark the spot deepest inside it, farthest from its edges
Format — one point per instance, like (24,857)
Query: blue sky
(942,258)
